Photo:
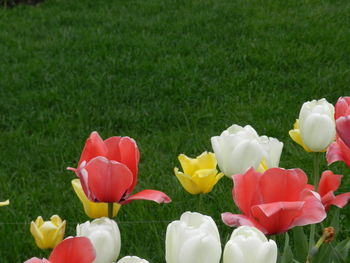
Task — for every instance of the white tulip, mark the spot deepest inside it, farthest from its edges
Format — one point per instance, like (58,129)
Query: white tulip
(105,236)
(249,245)
(132,259)
(317,124)
(193,239)
(239,148)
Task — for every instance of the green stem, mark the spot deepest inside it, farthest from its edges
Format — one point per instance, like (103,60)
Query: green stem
(316,177)
(199,205)
(110,210)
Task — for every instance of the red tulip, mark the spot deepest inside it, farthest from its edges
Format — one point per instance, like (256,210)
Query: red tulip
(274,201)
(108,171)
(329,183)
(70,250)
(340,149)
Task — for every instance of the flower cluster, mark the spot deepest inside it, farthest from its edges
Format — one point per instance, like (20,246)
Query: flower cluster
(271,200)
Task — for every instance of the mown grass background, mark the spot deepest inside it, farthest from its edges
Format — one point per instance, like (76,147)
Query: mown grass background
(168,73)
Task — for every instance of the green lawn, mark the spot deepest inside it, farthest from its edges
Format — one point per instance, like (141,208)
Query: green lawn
(168,73)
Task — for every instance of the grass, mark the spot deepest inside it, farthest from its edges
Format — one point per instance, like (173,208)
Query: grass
(170,74)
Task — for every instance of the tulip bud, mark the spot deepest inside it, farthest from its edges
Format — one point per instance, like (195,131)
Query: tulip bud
(249,245)
(132,259)
(193,239)
(239,148)
(105,237)
(199,175)
(315,129)
(48,234)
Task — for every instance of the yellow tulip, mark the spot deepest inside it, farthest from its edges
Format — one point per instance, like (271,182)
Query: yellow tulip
(200,174)
(296,136)
(93,209)
(48,234)
(7,202)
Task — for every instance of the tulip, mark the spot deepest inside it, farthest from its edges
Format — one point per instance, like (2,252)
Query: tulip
(108,171)
(274,201)
(329,183)
(239,148)
(48,234)
(105,236)
(70,250)
(315,128)
(249,245)
(132,259)
(193,239)
(92,209)
(7,202)
(340,149)
(200,174)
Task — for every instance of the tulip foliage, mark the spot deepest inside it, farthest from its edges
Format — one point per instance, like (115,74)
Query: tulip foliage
(274,203)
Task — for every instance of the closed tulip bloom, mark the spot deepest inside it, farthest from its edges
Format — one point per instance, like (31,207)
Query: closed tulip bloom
(70,250)
(239,148)
(107,170)
(48,234)
(193,239)
(199,175)
(274,201)
(340,149)
(93,209)
(315,128)
(105,237)
(249,245)
(132,259)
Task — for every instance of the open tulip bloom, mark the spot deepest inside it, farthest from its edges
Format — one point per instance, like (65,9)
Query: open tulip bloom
(70,250)
(108,171)
(199,175)
(340,149)
(274,201)
(239,148)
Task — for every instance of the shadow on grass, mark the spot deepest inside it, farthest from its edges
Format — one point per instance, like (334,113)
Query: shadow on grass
(13,3)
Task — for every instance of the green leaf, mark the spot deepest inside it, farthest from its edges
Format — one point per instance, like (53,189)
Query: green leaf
(287,255)
(300,244)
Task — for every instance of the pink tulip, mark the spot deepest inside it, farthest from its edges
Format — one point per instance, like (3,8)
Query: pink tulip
(274,201)
(108,171)
(70,250)
(329,183)
(340,149)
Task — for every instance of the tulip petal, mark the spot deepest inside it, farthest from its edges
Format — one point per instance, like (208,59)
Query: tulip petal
(341,200)
(338,151)
(342,107)
(37,260)
(313,210)
(246,191)
(310,132)
(130,156)
(279,184)
(150,195)
(7,202)
(329,182)
(108,180)
(94,146)
(343,129)
(73,250)
(231,220)
(113,147)
(187,182)
(296,136)
(277,217)
(200,249)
